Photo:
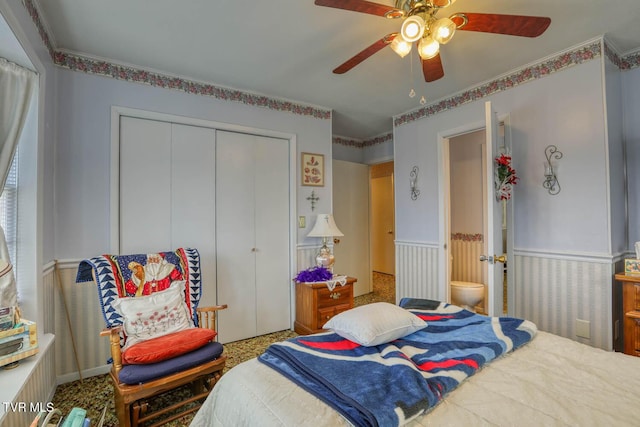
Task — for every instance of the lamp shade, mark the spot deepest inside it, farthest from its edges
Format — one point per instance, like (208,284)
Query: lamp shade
(325,226)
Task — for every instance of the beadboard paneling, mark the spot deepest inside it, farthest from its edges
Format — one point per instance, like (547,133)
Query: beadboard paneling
(86,322)
(416,271)
(553,293)
(38,388)
(307,256)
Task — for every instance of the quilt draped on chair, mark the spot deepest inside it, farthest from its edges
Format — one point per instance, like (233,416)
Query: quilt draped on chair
(119,276)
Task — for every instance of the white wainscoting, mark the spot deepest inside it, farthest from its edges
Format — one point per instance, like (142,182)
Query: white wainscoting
(552,290)
(307,256)
(35,378)
(49,294)
(417,271)
(86,321)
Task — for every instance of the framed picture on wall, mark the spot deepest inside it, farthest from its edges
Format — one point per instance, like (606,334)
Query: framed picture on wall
(312,167)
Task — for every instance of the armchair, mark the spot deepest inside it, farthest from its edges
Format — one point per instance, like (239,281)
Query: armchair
(160,339)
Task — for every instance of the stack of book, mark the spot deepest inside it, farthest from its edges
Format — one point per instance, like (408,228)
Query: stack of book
(18,338)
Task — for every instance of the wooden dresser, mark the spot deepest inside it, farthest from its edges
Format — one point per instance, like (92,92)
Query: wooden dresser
(630,313)
(316,304)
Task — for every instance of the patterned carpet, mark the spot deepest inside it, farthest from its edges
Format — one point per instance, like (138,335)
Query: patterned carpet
(94,393)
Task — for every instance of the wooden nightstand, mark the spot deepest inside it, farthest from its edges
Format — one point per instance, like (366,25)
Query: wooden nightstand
(316,304)
(630,313)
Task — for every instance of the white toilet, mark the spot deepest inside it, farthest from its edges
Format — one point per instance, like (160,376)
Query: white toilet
(467,294)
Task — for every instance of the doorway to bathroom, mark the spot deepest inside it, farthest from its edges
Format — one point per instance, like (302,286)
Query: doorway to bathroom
(475,226)
(467,222)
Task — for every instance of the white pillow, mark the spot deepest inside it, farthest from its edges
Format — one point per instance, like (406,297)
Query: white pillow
(154,315)
(374,324)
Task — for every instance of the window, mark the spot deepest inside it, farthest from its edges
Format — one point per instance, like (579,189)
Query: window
(9,210)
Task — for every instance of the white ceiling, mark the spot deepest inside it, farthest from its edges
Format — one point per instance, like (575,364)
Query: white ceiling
(288,48)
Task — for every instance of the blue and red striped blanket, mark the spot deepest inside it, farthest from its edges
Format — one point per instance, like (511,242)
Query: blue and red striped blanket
(392,383)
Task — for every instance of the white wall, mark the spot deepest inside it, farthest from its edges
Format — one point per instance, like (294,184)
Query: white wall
(631,116)
(348,153)
(378,153)
(616,161)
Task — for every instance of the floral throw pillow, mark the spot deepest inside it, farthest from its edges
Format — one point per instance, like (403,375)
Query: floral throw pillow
(150,316)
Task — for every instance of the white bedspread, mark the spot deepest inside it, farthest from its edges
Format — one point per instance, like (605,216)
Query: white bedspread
(551,381)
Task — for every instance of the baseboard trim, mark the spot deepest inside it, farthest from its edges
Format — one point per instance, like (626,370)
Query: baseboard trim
(74,376)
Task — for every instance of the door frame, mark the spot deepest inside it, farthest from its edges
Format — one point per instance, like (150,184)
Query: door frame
(444,203)
(114,214)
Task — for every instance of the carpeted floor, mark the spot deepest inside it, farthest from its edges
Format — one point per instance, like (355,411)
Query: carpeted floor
(94,393)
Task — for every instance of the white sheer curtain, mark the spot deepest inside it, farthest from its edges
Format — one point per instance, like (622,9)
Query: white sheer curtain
(17,85)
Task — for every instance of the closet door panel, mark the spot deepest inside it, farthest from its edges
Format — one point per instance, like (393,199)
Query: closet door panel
(145,186)
(235,236)
(193,158)
(273,281)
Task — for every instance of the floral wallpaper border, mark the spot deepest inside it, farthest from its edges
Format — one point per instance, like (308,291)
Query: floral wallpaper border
(361,144)
(467,237)
(534,72)
(107,69)
(560,62)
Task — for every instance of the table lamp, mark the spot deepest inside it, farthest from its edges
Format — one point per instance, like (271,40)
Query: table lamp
(325,227)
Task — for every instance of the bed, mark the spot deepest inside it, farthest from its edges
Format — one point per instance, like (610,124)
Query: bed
(545,380)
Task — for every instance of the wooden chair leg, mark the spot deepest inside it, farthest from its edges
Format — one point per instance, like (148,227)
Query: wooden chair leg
(123,411)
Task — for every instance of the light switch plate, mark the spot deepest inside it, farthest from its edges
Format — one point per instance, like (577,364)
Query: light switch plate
(302,221)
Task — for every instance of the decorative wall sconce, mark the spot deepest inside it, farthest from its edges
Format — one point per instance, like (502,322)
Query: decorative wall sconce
(550,179)
(413,183)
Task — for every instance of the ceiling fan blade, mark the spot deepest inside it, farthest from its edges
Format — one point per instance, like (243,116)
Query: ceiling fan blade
(514,25)
(432,68)
(365,53)
(362,6)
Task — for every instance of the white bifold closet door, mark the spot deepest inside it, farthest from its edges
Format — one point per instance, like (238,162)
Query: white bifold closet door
(252,235)
(166,192)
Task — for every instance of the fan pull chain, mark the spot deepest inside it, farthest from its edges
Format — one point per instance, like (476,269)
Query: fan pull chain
(412,93)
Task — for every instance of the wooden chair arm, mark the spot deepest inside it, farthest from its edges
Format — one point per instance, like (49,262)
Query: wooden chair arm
(207,316)
(114,340)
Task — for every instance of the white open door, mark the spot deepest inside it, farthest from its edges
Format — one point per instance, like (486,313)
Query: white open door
(351,213)
(495,252)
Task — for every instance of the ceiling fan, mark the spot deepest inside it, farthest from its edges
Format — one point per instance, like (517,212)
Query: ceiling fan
(419,24)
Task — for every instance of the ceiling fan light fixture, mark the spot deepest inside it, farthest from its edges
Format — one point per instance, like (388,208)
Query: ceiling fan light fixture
(412,28)
(443,30)
(428,47)
(401,47)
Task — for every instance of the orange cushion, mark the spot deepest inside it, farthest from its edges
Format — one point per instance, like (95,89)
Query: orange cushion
(167,346)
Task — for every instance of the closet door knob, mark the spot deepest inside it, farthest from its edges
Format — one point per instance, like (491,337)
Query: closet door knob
(254,249)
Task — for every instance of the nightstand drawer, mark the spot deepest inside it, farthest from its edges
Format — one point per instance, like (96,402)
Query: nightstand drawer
(324,314)
(316,304)
(629,313)
(339,295)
